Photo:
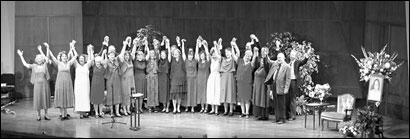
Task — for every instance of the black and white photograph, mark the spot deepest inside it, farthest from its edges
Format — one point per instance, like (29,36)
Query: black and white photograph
(205,69)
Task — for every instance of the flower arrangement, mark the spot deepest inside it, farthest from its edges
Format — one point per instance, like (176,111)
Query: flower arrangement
(286,42)
(349,129)
(150,33)
(319,91)
(377,63)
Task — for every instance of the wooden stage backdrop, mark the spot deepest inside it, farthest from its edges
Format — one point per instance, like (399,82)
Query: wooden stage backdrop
(337,29)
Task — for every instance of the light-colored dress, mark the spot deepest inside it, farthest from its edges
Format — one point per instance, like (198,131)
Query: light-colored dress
(41,91)
(213,88)
(64,93)
(152,83)
(82,88)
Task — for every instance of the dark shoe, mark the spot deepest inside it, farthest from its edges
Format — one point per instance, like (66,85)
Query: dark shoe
(118,115)
(68,115)
(96,116)
(262,118)
(100,116)
(46,118)
(212,112)
(226,113)
(39,119)
(242,115)
(247,116)
(216,114)
(85,116)
(230,113)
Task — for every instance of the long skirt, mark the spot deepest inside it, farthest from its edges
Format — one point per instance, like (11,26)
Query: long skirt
(163,87)
(82,92)
(201,87)
(141,83)
(228,88)
(64,94)
(127,82)
(191,94)
(213,89)
(97,89)
(41,96)
(177,92)
(152,90)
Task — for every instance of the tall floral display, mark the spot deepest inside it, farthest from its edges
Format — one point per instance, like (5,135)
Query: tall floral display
(150,33)
(285,43)
(377,63)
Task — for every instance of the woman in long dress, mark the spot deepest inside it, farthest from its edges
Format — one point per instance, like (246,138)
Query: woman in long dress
(178,76)
(127,76)
(260,91)
(82,83)
(228,85)
(152,79)
(64,94)
(113,81)
(244,81)
(163,79)
(191,72)
(98,84)
(213,87)
(39,78)
(140,73)
(203,73)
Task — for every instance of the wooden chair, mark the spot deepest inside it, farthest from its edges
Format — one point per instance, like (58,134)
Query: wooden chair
(345,106)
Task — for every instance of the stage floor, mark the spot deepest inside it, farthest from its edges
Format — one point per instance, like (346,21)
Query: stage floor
(194,125)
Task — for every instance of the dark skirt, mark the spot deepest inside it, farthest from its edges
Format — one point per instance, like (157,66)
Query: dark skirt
(141,83)
(191,92)
(97,88)
(114,89)
(244,91)
(64,92)
(163,87)
(228,88)
(152,90)
(41,92)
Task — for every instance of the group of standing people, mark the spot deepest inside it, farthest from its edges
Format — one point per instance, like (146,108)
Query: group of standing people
(166,74)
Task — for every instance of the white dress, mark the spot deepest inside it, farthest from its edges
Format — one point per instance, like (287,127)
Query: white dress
(82,88)
(213,87)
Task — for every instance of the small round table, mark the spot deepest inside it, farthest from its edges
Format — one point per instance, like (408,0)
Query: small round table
(136,97)
(315,106)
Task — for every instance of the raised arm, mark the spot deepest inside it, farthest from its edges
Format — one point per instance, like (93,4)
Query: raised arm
(146,49)
(90,56)
(255,55)
(168,48)
(41,52)
(206,50)
(20,53)
(124,46)
(74,52)
(53,59)
(183,49)
(104,56)
(134,48)
(235,55)
(198,43)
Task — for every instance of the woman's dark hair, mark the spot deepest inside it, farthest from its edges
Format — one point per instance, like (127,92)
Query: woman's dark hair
(374,82)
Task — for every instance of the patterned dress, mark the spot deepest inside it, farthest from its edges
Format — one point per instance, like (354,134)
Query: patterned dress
(41,91)
(244,80)
(178,79)
(127,82)
(64,94)
(152,83)
(228,85)
(201,82)
(163,81)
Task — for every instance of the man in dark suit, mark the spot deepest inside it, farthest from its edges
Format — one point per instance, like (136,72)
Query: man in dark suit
(295,83)
(278,79)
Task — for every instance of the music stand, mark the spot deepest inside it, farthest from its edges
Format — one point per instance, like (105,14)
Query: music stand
(112,105)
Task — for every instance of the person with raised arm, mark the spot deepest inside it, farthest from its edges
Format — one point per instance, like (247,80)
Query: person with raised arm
(113,83)
(127,76)
(82,82)
(140,66)
(163,75)
(228,84)
(204,63)
(64,93)
(213,87)
(152,77)
(98,83)
(178,76)
(39,78)
(191,73)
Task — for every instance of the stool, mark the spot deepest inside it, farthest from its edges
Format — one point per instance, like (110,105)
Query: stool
(136,97)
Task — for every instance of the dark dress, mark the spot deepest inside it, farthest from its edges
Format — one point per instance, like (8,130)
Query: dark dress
(140,77)
(178,79)
(113,82)
(41,91)
(191,73)
(163,80)
(201,81)
(260,91)
(127,82)
(97,85)
(244,80)
(228,84)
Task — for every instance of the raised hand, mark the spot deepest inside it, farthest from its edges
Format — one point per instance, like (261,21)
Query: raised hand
(220,41)
(215,44)
(178,40)
(255,50)
(46,44)
(104,51)
(125,43)
(233,42)
(205,43)
(135,41)
(183,41)
(39,47)
(128,39)
(19,52)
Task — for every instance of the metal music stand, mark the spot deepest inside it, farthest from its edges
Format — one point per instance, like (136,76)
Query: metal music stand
(112,105)
(136,97)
